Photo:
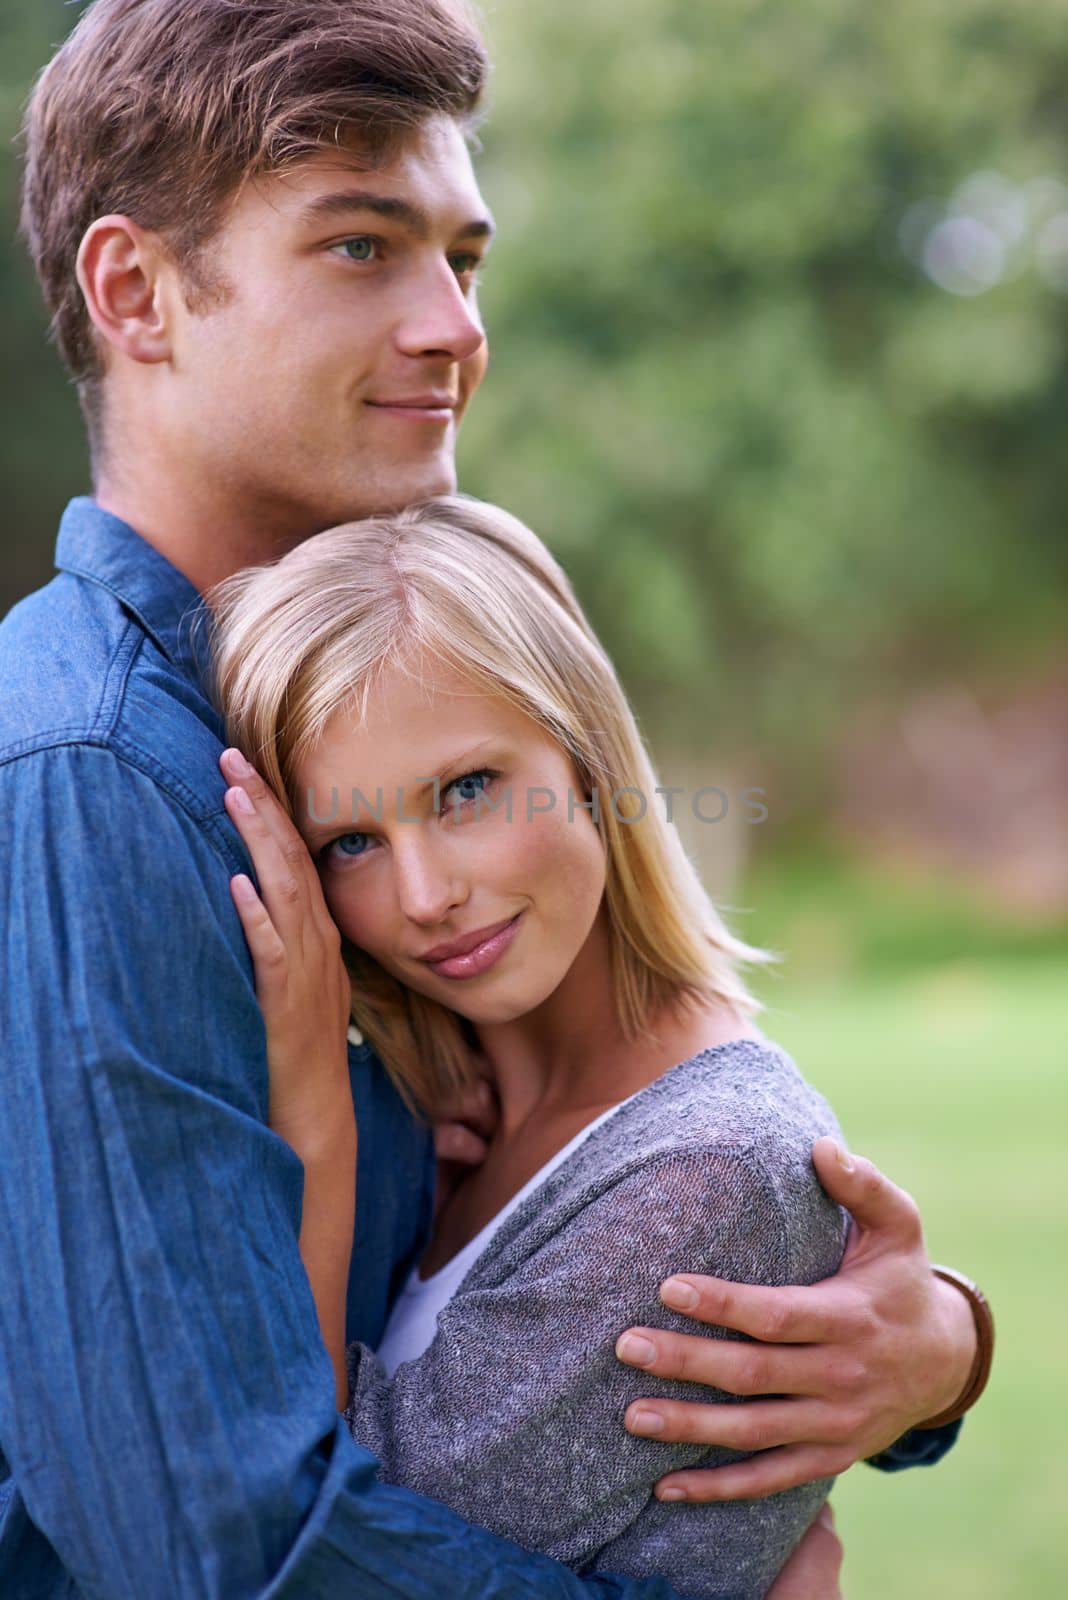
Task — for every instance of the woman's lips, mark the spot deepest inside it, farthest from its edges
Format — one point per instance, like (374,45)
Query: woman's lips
(484,955)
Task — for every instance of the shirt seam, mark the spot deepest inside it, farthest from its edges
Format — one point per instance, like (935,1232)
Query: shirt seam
(117,678)
(135,617)
(208,823)
(103,722)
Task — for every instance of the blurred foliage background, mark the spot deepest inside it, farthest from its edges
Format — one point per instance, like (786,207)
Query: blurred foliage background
(779,317)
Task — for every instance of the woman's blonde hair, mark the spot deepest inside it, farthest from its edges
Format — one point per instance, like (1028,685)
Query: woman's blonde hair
(464,583)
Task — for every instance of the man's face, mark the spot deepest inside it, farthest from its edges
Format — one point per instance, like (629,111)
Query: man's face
(331,382)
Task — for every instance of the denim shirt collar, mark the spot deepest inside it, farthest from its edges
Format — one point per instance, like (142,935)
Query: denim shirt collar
(103,549)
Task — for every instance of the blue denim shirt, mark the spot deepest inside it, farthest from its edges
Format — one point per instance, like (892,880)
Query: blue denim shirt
(167,1418)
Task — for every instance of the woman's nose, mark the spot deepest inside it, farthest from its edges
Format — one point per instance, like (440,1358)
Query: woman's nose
(428,887)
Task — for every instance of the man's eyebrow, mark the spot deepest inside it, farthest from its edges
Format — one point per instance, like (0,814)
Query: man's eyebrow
(344,201)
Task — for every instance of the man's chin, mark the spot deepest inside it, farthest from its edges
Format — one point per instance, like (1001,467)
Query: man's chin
(424,482)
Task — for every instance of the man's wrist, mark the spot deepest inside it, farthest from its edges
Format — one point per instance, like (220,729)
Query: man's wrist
(982,1326)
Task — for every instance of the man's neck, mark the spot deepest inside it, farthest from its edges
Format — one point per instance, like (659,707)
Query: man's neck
(201,533)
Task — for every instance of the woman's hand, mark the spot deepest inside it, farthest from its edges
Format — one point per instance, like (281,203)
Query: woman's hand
(302,984)
(304,991)
(463,1129)
(812,1572)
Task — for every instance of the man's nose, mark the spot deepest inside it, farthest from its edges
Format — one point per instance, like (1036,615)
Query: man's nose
(428,886)
(441,320)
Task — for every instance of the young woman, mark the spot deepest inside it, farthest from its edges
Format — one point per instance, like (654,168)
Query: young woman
(424,697)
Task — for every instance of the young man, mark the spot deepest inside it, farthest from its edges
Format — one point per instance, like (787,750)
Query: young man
(259,232)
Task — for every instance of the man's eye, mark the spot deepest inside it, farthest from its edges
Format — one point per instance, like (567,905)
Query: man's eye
(363,248)
(466,790)
(467,266)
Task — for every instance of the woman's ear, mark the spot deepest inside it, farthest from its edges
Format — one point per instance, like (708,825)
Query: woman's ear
(121,268)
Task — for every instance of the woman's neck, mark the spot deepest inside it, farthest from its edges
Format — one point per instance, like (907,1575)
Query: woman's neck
(557,1054)
(555,1071)
(570,1054)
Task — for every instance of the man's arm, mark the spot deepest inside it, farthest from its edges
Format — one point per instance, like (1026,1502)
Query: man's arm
(166,1402)
(856,1361)
(512,1412)
(893,1346)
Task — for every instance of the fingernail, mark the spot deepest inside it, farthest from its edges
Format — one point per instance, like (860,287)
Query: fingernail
(643,1421)
(671,1493)
(633,1348)
(243,801)
(238,765)
(844,1159)
(243,887)
(680,1296)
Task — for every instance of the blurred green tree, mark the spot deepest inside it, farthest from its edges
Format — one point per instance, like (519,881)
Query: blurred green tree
(785,467)
(43,460)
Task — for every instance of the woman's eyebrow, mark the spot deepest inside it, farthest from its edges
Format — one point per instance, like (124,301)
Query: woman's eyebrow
(343,201)
(449,769)
(421,786)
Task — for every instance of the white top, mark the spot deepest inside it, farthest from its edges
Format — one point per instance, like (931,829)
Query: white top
(413,1321)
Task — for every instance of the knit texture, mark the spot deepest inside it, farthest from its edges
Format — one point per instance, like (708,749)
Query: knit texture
(513,1414)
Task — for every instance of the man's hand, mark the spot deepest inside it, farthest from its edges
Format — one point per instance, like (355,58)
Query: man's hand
(856,1360)
(814,1569)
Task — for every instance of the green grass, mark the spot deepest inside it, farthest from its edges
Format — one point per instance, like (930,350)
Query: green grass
(945,1058)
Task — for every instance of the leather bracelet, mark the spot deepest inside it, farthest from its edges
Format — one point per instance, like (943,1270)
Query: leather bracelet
(984,1350)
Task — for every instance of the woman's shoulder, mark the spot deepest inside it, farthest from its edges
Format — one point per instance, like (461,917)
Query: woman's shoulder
(720,1142)
(732,1129)
(746,1097)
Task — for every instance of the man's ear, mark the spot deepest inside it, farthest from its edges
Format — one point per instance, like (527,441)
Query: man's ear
(121,271)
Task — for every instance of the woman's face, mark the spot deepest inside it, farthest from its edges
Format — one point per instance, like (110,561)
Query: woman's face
(452,843)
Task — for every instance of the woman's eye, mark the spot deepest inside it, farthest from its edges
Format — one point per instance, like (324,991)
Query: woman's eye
(363,248)
(464,791)
(348,846)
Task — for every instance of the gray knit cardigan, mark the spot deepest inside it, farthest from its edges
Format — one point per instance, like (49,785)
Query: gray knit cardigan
(513,1414)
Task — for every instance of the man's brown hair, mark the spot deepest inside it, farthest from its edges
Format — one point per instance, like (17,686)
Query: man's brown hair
(161,109)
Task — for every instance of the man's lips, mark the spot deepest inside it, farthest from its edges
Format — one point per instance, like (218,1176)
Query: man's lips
(473,952)
(433,406)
